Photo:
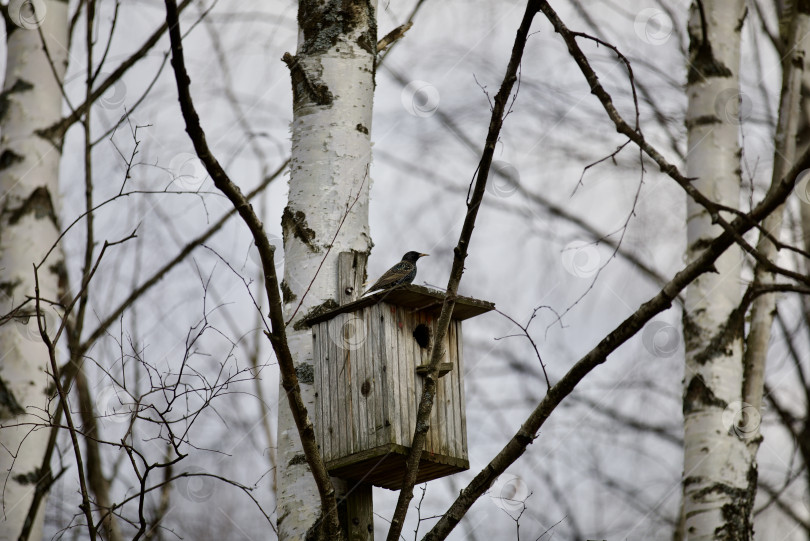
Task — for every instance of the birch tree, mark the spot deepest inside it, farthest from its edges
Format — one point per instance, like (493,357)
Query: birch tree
(327,208)
(723,390)
(37,55)
(38,42)
(794,37)
(717,464)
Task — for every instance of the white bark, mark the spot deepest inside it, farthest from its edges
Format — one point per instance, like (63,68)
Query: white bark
(784,156)
(333,87)
(29,167)
(802,143)
(717,463)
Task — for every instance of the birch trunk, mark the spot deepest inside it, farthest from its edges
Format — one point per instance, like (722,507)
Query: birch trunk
(785,141)
(333,88)
(802,191)
(29,167)
(802,143)
(717,463)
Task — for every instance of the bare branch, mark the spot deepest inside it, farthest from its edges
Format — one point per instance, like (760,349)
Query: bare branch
(278,335)
(460,254)
(43,332)
(56,131)
(598,355)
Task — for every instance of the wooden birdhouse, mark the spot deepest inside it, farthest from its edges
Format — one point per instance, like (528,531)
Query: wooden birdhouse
(369,355)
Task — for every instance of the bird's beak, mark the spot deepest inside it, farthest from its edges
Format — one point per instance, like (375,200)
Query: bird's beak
(423,255)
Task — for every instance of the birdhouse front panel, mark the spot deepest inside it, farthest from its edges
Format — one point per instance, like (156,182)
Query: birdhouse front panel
(369,359)
(409,341)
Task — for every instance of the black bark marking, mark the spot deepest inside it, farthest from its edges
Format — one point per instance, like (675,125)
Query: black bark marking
(702,62)
(305,373)
(295,223)
(59,269)
(38,203)
(9,158)
(31,478)
(705,120)
(298,459)
(306,86)
(323,23)
(736,515)
(19,86)
(719,343)
(287,293)
(9,407)
(698,395)
(7,288)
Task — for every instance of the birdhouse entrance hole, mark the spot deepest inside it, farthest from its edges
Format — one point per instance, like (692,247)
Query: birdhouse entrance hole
(422,335)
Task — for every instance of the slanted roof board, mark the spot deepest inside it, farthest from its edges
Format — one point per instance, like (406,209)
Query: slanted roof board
(414,297)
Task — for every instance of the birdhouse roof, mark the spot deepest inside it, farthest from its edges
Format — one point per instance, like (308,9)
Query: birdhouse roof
(414,297)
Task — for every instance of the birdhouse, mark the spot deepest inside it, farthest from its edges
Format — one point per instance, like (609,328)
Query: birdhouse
(369,355)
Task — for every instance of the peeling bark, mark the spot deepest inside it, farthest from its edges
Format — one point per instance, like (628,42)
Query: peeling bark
(327,212)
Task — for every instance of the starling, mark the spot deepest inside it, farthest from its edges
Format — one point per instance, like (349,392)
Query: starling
(402,273)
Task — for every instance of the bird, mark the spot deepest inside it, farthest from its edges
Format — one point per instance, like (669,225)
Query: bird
(402,273)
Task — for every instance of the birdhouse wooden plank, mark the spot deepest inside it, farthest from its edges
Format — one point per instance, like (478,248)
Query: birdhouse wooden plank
(368,384)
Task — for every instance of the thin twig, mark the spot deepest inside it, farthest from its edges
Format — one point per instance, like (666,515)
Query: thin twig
(525,329)
(56,131)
